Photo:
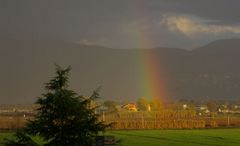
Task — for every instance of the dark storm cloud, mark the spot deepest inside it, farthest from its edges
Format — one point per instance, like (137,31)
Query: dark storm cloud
(110,22)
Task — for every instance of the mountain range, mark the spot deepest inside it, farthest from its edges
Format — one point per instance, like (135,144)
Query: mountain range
(210,72)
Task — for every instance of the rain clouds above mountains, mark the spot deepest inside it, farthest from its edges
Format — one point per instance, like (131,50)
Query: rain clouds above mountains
(121,23)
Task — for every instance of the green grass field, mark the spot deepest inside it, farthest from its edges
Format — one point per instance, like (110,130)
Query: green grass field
(205,137)
(209,137)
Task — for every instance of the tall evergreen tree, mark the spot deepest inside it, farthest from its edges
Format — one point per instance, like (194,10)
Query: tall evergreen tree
(64,118)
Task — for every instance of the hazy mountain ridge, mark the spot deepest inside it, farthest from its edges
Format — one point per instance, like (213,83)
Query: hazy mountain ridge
(207,72)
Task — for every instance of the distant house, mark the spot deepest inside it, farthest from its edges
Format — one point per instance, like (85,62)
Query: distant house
(223,109)
(234,109)
(236,106)
(202,109)
(130,107)
(185,106)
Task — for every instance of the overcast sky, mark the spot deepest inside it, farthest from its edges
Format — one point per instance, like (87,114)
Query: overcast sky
(121,23)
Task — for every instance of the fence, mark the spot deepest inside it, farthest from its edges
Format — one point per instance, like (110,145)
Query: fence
(11,123)
(164,119)
(154,120)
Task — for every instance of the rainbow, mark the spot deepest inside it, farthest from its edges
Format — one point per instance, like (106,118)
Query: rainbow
(152,83)
(150,70)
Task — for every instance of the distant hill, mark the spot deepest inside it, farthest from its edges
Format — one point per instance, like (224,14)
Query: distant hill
(221,46)
(209,72)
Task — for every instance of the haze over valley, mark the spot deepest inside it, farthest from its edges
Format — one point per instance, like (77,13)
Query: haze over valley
(209,72)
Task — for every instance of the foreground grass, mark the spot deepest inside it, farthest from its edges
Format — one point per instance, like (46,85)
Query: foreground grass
(204,137)
(10,136)
(4,136)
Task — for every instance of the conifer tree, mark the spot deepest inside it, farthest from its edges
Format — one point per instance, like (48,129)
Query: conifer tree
(64,118)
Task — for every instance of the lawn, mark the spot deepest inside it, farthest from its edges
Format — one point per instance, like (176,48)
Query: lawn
(209,137)
(9,136)
(205,137)
(3,136)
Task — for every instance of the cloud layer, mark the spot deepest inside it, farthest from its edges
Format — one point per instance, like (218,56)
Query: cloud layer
(193,26)
(122,23)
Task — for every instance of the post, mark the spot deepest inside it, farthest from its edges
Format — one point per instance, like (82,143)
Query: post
(228,121)
(103,116)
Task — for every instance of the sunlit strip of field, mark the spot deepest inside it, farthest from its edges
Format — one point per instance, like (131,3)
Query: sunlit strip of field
(204,137)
